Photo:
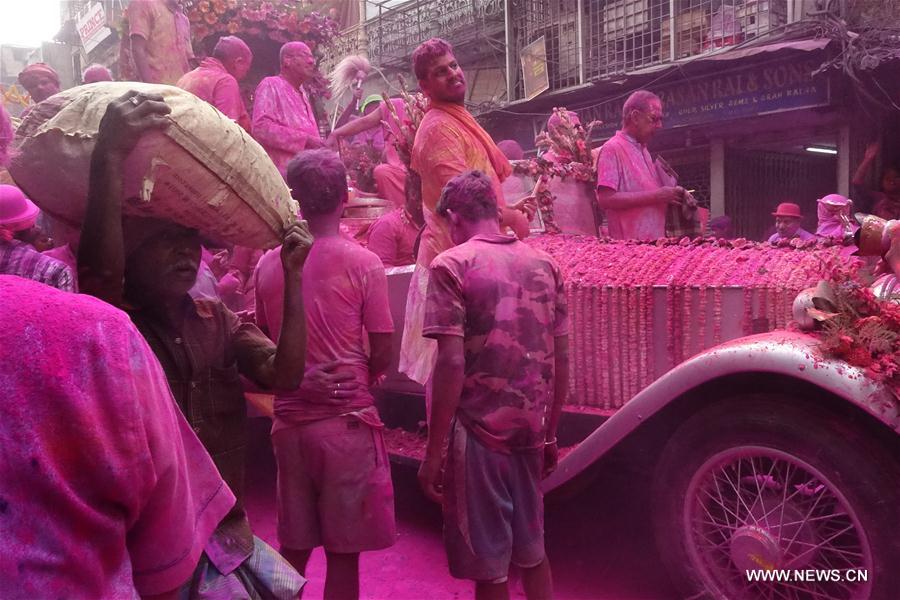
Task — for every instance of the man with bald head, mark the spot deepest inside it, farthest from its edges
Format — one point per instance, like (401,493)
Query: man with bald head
(216,79)
(630,187)
(283,118)
(95,73)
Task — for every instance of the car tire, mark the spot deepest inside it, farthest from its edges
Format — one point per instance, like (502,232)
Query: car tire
(748,483)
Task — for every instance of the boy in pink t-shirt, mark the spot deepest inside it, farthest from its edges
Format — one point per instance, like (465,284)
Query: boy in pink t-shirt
(105,492)
(334,481)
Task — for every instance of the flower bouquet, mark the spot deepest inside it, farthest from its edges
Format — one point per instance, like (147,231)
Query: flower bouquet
(415,106)
(567,138)
(567,155)
(361,159)
(857,327)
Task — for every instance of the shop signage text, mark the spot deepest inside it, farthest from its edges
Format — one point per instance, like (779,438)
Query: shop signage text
(534,68)
(748,92)
(91,26)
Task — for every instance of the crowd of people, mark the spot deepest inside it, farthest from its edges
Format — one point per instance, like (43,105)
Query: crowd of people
(138,508)
(107,490)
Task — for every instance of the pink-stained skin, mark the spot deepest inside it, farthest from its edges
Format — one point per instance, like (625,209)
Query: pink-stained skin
(777,352)
(283,119)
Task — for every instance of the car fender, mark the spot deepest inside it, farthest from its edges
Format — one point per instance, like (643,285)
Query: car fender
(787,353)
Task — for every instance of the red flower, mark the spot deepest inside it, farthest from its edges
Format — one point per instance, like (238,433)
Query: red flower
(859,357)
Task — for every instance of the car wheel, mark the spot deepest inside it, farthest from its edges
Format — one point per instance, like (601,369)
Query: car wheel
(763,487)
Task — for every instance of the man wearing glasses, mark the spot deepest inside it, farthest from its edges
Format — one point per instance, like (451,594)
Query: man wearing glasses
(634,190)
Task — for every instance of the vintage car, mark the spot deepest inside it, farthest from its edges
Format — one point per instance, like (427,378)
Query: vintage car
(765,454)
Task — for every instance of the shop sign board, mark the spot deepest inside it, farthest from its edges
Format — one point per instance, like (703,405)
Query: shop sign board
(748,92)
(534,68)
(91,26)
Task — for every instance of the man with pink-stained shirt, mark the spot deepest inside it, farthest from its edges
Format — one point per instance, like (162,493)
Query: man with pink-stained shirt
(334,481)
(105,492)
(158,47)
(393,236)
(630,188)
(283,119)
(216,79)
(497,310)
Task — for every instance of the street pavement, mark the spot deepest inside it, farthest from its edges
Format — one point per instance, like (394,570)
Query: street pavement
(598,541)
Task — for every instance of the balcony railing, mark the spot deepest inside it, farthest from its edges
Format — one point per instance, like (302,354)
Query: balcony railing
(588,39)
(390,37)
(584,39)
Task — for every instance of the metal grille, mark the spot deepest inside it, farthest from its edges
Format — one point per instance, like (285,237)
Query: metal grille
(692,167)
(756,181)
(625,35)
(619,36)
(395,33)
(608,37)
(350,41)
(557,21)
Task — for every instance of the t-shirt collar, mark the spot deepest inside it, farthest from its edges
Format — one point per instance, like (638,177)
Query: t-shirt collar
(494,238)
(629,138)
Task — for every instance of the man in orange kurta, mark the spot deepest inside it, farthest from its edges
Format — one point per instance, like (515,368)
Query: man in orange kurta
(449,141)
(158,47)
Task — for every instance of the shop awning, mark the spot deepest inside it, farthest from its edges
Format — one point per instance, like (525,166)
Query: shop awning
(730,54)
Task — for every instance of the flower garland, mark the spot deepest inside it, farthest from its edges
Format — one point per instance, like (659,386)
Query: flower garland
(279,21)
(612,287)
(601,330)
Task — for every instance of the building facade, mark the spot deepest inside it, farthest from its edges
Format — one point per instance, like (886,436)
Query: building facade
(751,119)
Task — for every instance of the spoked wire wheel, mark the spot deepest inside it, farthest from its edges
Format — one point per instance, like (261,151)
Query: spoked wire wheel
(753,514)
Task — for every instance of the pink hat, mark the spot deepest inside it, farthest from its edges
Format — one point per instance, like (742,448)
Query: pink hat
(16,211)
(788,209)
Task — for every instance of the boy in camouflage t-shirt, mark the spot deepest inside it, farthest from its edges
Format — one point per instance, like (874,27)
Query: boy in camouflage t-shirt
(497,309)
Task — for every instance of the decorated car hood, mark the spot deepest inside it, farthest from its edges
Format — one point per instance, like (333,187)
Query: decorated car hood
(779,352)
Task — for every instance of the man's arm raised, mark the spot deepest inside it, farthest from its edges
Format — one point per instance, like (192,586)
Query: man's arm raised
(284,369)
(365,123)
(101,253)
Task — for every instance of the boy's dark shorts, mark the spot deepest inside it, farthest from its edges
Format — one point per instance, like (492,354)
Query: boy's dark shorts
(493,509)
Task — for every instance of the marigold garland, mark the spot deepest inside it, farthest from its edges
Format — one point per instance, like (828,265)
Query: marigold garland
(610,286)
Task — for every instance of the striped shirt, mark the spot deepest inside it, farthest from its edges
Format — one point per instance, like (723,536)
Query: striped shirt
(20,259)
